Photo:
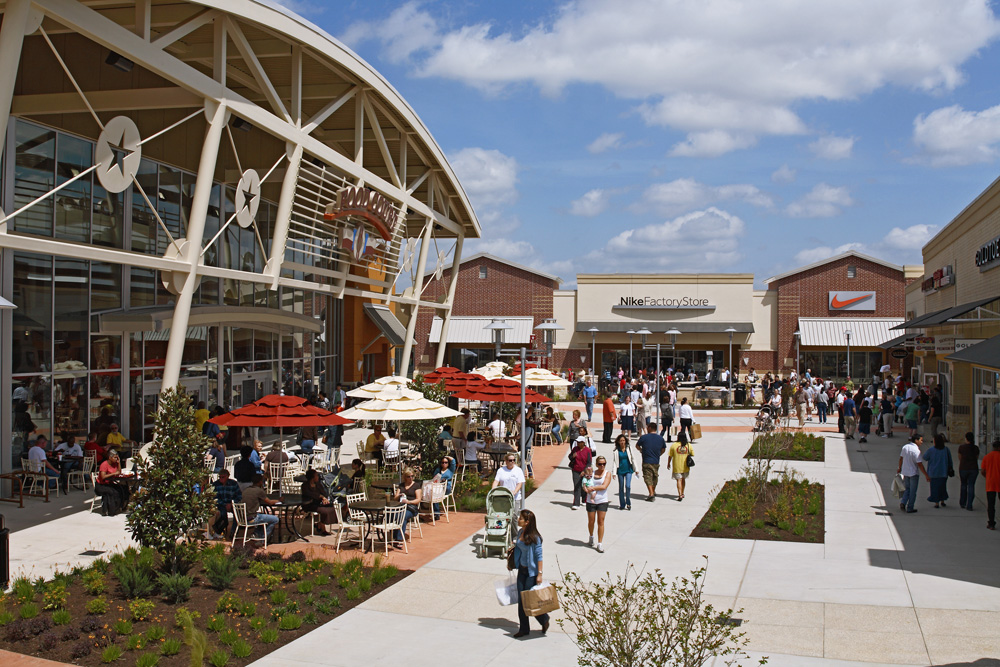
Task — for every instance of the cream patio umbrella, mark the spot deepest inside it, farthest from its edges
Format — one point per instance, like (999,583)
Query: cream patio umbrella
(374,387)
(399,404)
(492,370)
(541,377)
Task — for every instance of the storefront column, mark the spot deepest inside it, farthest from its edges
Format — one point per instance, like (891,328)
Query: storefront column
(418,287)
(218,116)
(456,262)
(15,21)
(283,216)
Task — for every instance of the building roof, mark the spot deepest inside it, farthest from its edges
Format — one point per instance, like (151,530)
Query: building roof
(986,353)
(849,253)
(486,255)
(832,331)
(472,331)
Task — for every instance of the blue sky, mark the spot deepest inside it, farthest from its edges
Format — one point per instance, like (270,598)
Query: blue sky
(628,135)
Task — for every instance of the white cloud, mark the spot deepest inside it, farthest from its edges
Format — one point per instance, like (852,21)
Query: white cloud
(488,176)
(591,204)
(819,253)
(899,245)
(833,148)
(606,142)
(404,32)
(685,194)
(783,175)
(709,237)
(909,241)
(953,136)
(823,201)
(726,72)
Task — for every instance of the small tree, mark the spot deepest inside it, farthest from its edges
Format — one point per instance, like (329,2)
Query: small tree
(424,432)
(638,621)
(167,505)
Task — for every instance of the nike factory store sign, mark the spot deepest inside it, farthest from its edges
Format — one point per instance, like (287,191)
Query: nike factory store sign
(840,301)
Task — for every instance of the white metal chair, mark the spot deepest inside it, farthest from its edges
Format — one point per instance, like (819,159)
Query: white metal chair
(240,514)
(357,516)
(392,460)
(347,526)
(433,492)
(275,472)
(79,478)
(392,520)
(97,502)
(38,478)
(231,464)
(543,436)
(368,458)
(289,486)
(358,486)
(384,475)
(449,497)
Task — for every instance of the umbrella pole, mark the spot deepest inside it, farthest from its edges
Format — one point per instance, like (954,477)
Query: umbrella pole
(524,445)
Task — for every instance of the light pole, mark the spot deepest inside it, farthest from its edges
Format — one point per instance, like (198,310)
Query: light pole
(798,352)
(630,333)
(593,346)
(673,333)
(729,362)
(847,333)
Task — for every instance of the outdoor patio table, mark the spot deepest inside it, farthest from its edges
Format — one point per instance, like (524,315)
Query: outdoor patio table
(497,453)
(288,506)
(373,511)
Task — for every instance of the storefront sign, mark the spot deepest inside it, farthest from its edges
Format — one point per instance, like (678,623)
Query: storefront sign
(851,300)
(943,277)
(962,343)
(899,353)
(944,345)
(923,343)
(367,204)
(662,303)
(988,257)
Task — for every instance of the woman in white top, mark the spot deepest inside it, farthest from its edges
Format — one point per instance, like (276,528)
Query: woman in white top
(390,448)
(597,501)
(686,416)
(626,413)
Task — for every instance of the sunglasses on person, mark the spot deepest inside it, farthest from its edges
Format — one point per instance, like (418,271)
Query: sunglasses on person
(511,460)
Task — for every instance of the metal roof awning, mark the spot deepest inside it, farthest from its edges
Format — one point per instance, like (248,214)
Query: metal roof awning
(832,331)
(948,315)
(918,321)
(472,331)
(985,354)
(660,327)
(387,323)
(897,341)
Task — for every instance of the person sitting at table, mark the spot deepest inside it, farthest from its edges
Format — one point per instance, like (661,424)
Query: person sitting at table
(227,492)
(244,469)
(550,417)
(357,469)
(218,452)
(309,435)
(498,429)
(112,489)
(410,493)
(445,437)
(314,499)
(254,496)
(72,457)
(443,473)
(255,456)
(91,446)
(391,443)
(374,444)
(117,441)
(39,458)
(276,455)
(472,448)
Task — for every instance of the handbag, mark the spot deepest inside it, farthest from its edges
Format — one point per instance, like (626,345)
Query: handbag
(690,461)
(510,559)
(506,590)
(695,430)
(951,471)
(540,600)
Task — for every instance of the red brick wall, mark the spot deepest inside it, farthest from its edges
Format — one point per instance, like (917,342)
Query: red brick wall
(805,294)
(505,292)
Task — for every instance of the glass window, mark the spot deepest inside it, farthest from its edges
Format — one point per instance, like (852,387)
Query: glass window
(32,326)
(105,286)
(105,351)
(109,217)
(32,401)
(142,292)
(34,175)
(482,272)
(105,392)
(72,203)
(72,278)
(168,204)
(144,225)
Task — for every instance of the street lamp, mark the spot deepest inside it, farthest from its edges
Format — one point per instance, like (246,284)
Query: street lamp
(673,333)
(630,333)
(798,352)
(729,361)
(848,334)
(593,347)
(548,327)
(642,333)
(497,327)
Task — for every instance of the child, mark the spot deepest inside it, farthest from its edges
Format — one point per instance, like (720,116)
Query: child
(588,479)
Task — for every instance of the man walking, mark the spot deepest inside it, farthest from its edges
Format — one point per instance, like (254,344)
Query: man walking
(589,393)
(801,400)
(609,417)
(652,446)
(850,417)
(910,466)
(991,473)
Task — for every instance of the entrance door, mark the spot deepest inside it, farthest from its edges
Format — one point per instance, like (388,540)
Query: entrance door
(196,387)
(987,420)
(248,387)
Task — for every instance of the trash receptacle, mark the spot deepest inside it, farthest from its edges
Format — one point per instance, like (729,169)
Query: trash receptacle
(4,553)
(740,394)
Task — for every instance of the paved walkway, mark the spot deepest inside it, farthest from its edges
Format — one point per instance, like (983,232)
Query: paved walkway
(885,588)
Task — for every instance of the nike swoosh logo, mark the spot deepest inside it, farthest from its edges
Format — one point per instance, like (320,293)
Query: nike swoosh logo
(837,303)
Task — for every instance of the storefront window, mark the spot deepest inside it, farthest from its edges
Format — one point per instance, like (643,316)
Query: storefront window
(72,203)
(72,295)
(31,339)
(34,175)
(105,286)
(31,405)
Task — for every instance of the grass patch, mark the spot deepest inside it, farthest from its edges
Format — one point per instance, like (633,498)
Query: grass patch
(787,446)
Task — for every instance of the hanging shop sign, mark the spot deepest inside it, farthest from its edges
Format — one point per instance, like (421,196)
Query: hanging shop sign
(944,345)
(943,277)
(355,201)
(988,256)
(899,353)
(662,303)
(962,343)
(851,301)
(923,343)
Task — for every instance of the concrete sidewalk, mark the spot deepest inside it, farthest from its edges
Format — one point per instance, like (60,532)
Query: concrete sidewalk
(885,588)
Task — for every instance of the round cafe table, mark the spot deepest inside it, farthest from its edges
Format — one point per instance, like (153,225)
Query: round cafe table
(373,511)
(289,505)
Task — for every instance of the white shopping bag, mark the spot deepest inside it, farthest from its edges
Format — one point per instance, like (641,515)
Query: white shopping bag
(506,590)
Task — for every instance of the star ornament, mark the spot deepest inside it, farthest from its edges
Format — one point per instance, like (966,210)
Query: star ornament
(439,269)
(247,198)
(118,154)
(408,254)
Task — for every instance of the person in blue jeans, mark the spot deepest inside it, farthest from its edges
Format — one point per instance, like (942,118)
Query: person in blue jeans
(968,471)
(910,467)
(589,394)
(410,494)
(624,469)
(528,561)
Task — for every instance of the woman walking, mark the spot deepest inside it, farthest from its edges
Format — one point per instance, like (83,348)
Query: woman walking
(528,561)
(669,404)
(624,469)
(678,462)
(687,418)
(597,501)
(626,413)
(575,425)
(939,466)
(579,459)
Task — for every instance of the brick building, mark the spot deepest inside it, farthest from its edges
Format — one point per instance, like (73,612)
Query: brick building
(849,300)
(487,287)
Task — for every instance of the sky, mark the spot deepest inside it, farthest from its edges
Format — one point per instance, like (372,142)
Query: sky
(600,136)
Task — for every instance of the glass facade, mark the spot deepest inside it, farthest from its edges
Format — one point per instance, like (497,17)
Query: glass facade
(700,361)
(832,364)
(69,373)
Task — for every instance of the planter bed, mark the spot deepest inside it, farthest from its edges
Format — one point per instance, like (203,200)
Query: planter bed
(790,446)
(734,514)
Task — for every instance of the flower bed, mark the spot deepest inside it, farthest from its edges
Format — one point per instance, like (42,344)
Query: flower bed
(788,509)
(230,608)
(788,446)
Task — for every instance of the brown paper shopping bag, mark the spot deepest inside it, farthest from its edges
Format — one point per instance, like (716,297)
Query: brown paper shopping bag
(540,600)
(695,431)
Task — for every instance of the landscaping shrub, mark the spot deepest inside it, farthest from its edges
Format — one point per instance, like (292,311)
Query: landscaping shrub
(5,618)
(61,617)
(17,631)
(216,623)
(242,648)
(228,603)
(170,647)
(37,626)
(122,626)
(310,619)
(290,622)
(135,643)
(28,610)
(219,658)
(258,622)
(94,583)
(147,660)
(23,589)
(97,606)
(70,634)
(220,570)
(305,587)
(155,633)
(175,587)
(111,653)
(134,581)
(269,635)
(48,641)
(228,636)
(89,624)
(55,596)
(141,609)
(80,650)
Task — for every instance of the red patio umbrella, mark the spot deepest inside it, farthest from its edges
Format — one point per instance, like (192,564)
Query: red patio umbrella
(461,381)
(442,373)
(501,391)
(278,411)
(527,366)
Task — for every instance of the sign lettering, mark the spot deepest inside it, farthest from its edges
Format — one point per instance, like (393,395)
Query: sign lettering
(662,302)
(367,204)
(988,256)
(943,277)
(851,300)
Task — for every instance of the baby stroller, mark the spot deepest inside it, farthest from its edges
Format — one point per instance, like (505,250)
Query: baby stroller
(765,420)
(499,522)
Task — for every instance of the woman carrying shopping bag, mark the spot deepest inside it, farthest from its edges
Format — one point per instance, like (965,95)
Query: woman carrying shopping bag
(528,563)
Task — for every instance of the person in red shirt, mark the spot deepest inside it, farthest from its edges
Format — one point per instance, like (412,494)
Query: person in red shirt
(610,414)
(991,473)
(91,446)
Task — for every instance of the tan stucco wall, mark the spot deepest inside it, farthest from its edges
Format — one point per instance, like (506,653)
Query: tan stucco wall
(765,321)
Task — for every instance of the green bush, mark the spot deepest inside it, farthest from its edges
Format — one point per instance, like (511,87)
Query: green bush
(111,653)
(23,589)
(183,615)
(135,583)
(228,603)
(310,619)
(257,622)
(175,587)
(155,633)
(141,609)
(28,610)
(170,647)
(290,622)
(242,648)
(135,643)
(248,609)
(123,626)
(221,570)
(219,658)
(94,583)
(268,635)
(61,617)
(352,593)
(55,596)
(97,606)
(269,582)
(321,580)
(295,571)
(279,597)
(147,660)
(5,618)
(216,623)
(228,636)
